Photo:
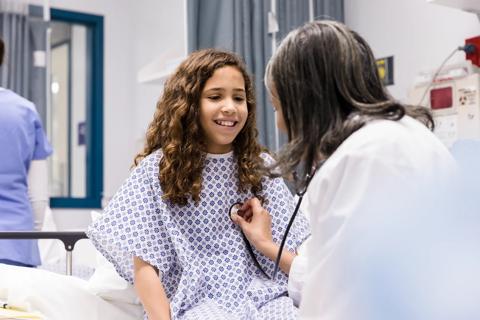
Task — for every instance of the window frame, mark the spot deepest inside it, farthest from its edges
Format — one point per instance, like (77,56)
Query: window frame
(94,158)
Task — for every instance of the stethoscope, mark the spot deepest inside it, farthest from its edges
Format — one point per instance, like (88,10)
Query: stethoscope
(236,207)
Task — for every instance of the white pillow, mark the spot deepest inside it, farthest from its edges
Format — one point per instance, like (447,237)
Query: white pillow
(59,297)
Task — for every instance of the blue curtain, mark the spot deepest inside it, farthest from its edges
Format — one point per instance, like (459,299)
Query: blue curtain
(241,26)
(24,36)
(294,13)
(329,9)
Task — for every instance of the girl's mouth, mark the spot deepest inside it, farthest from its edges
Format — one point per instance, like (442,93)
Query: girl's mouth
(226,123)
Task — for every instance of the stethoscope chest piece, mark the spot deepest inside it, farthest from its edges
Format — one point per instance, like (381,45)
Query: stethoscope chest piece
(234,209)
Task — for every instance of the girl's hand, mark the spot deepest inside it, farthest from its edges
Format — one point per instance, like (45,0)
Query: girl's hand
(256,224)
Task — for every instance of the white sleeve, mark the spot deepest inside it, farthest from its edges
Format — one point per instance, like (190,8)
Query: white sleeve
(297,274)
(38,190)
(339,201)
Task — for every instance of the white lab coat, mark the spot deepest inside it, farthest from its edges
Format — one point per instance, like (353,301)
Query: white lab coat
(380,159)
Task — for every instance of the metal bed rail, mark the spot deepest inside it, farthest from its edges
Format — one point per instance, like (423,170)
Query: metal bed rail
(69,239)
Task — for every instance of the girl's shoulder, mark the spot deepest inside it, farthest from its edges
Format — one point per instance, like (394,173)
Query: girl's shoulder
(153,158)
(269,161)
(150,164)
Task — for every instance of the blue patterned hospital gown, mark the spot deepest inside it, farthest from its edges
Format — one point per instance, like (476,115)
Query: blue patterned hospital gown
(204,264)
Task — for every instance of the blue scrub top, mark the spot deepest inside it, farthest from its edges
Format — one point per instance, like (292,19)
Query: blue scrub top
(22,139)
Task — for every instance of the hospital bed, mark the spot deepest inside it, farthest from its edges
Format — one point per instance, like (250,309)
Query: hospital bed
(59,296)
(34,293)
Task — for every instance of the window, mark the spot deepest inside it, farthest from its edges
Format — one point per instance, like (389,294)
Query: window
(75,110)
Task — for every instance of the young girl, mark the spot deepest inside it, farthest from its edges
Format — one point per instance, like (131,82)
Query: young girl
(168,228)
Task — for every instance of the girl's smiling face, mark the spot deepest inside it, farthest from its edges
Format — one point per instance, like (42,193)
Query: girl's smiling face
(223,109)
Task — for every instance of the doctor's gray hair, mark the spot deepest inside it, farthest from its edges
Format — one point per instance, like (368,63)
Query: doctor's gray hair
(326,81)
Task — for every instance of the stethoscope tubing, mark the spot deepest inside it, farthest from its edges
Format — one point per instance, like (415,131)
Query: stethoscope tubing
(247,243)
(284,238)
(300,195)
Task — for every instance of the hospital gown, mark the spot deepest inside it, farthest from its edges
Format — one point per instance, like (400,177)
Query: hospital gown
(203,261)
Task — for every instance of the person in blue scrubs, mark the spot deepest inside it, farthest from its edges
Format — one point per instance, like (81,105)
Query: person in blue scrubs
(22,140)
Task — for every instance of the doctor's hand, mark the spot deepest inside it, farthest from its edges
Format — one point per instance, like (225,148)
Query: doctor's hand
(256,224)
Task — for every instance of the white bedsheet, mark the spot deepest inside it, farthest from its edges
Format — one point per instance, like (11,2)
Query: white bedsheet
(59,297)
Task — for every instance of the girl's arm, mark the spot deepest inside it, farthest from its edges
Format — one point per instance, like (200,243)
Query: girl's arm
(256,224)
(150,290)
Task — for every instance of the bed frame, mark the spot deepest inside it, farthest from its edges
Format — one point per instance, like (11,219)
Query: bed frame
(69,239)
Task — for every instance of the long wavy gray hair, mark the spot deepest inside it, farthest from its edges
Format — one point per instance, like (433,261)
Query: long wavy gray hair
(326,80)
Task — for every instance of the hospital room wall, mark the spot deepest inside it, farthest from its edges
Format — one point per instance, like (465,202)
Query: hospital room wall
(135,32)
(418,34)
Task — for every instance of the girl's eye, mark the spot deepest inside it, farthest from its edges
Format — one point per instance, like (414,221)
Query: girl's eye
(239,99)
(214,98)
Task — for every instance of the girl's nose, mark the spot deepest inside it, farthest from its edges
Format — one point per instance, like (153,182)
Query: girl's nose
(229,107)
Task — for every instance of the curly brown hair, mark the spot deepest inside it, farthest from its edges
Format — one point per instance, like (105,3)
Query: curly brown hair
(176,130)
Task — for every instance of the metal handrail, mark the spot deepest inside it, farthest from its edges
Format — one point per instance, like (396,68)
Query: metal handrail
(69,239)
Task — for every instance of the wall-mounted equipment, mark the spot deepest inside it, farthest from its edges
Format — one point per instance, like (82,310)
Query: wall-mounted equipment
(385,70)
(454,99)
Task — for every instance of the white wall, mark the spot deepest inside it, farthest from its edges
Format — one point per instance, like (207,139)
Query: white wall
(135,32)
(159,30)
(418,34)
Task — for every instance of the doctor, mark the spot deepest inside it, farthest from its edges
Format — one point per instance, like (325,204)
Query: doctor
(23,175)
(330,101)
